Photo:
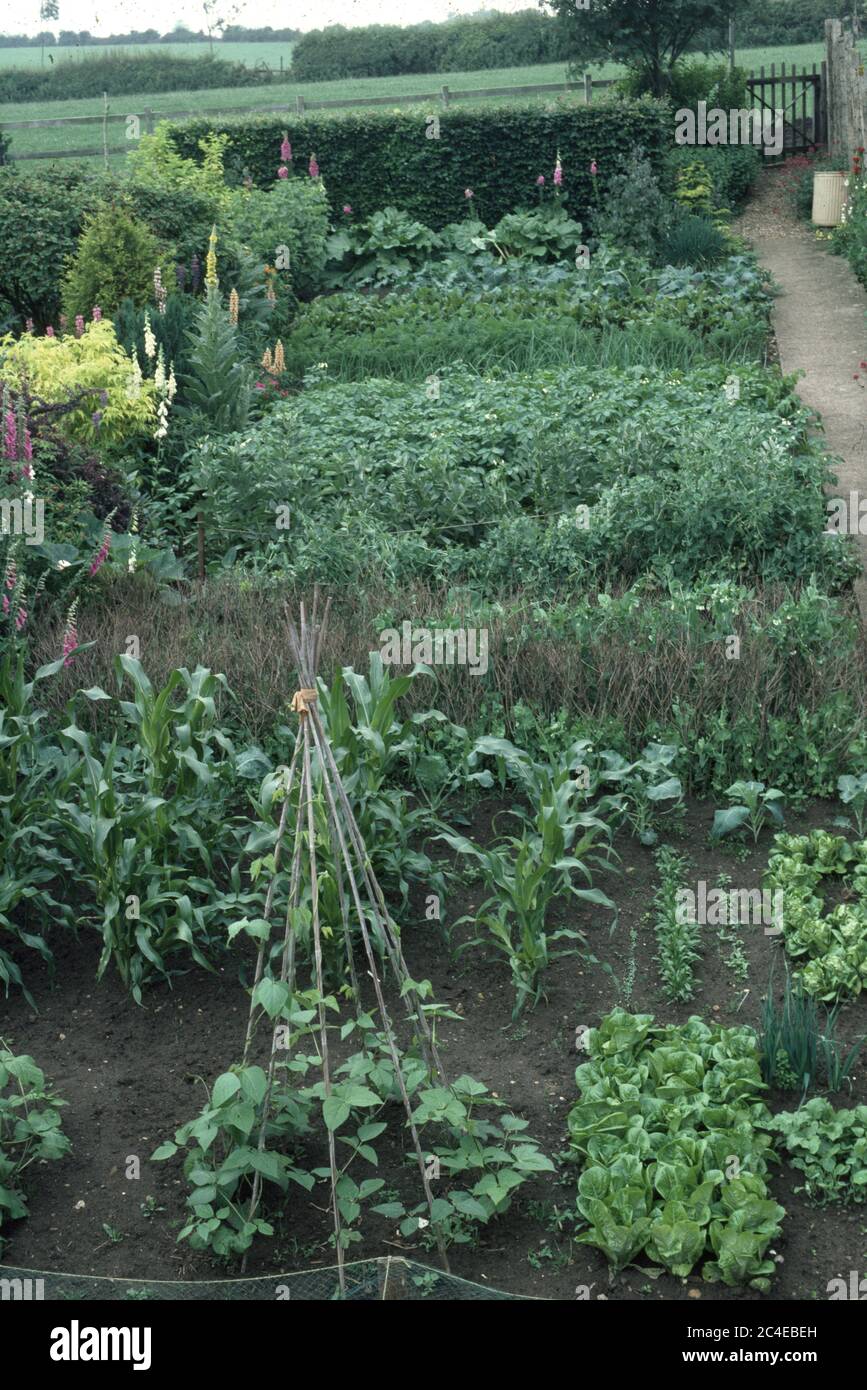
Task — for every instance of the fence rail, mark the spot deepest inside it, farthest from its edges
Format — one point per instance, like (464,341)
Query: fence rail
(804,129)
(147,118)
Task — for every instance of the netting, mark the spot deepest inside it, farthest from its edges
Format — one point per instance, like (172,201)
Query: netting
(367,1281)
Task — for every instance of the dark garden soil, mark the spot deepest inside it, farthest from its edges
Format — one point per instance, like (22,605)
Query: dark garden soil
(132,1074)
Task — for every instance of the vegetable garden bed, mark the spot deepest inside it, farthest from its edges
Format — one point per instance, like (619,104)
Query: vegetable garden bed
(136,1074)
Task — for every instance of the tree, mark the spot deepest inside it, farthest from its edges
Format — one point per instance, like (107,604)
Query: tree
(49,9)
(648,36)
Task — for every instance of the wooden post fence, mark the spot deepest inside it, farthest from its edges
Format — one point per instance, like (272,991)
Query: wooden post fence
(846,98)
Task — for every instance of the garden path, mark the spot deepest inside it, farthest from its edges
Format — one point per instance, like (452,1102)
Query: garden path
(820,322)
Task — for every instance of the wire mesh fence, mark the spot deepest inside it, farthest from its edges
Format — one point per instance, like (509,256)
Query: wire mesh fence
(366,1281)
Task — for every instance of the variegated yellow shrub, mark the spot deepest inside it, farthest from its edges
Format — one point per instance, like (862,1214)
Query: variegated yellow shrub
(116,402)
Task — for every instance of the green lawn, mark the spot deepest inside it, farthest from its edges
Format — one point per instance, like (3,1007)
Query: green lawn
(65,138)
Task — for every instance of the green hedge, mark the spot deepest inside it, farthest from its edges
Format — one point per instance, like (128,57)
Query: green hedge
(123,74)
(462,44)
(373,159)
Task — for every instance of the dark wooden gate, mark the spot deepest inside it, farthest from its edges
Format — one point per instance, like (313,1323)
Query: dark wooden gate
(801,98)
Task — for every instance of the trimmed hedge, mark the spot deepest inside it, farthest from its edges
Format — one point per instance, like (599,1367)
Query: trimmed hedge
(374,159)
(122,74)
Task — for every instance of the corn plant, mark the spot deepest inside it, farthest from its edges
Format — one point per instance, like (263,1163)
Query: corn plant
(526,873)
(177,743)
(144,815)
(371,745)
(33,773)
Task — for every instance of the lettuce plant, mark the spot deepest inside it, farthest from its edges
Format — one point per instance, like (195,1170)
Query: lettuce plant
(672,1137)
(830,947)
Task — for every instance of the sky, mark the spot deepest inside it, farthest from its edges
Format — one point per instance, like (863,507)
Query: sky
(103,17)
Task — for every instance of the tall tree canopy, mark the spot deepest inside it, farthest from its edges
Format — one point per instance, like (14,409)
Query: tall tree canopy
(647,35)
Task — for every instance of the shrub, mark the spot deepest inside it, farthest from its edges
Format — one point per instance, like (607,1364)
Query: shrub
(41,216)
(374,159)
(115,260)
(636,214)
(156,164)
(292,213)
(692,81)
(180,217)
(93,367)
(732,169)
(461,45)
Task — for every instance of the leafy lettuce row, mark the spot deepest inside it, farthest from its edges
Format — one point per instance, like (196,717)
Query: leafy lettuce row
(830,947)
(673,1142)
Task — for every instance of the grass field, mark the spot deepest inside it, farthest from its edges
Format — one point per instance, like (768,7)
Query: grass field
(250,53)
(64,138)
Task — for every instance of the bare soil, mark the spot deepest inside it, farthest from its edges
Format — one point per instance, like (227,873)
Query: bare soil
(132,1074)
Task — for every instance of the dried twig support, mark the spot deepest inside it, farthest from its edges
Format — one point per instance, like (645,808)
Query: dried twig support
(365,899)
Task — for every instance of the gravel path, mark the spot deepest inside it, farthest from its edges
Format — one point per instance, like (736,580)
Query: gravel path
(821,330)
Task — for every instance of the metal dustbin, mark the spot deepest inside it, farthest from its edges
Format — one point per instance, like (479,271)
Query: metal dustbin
(829,198)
